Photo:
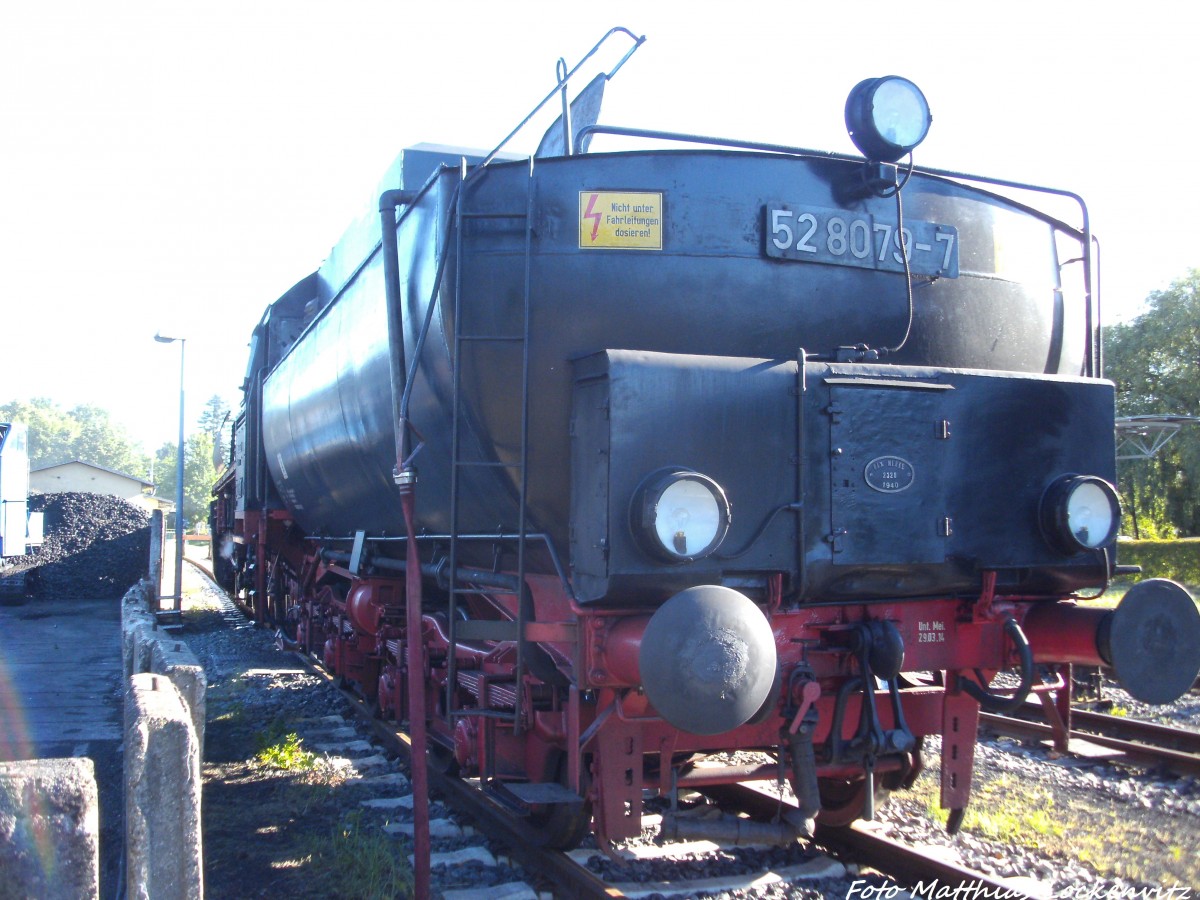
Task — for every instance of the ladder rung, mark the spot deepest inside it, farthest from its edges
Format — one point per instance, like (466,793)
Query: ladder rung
(495,215)
(487,630)
(549,792)
(484,714)
(491,630)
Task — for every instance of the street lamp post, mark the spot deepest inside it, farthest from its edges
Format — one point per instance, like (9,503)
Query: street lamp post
(177,597)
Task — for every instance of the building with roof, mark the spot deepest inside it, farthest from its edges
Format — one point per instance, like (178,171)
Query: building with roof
(78,475)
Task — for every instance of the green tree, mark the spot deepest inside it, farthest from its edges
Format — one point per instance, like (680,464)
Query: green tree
(1155,363)
(214,422)
(198,476)
(102,439)
(51,429)
(85,433)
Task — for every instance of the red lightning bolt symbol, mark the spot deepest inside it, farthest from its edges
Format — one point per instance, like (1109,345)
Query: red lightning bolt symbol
(593,215)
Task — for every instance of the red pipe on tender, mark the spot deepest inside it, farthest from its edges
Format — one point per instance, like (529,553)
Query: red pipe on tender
(707,777)
(706,658)
(1066,633)
(622,644)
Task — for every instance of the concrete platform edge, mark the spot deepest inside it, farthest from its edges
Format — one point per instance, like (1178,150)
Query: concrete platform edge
(165,711)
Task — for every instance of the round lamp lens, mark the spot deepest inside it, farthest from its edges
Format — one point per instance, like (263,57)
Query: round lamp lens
(887,117)
(900,112)
(688,518)
(1080,513)
(1090,515)
(678,515)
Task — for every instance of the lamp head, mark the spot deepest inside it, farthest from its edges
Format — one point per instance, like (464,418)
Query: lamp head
(887,117)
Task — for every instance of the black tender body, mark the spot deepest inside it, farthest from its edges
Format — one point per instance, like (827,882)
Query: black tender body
(643,330)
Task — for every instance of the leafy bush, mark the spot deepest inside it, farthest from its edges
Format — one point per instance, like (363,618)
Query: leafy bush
(287,754)
(1178,560)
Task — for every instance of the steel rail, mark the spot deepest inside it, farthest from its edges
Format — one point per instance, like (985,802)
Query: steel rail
(908,865)
(559,870)
(926,875)
(1176,761)
(1139,730)
(567,877)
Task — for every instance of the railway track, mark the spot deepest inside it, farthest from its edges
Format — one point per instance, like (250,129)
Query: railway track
(674,867)
(573,874)
(1174,750)
(865,843)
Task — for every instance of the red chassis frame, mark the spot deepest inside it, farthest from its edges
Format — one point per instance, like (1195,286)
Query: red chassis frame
(601,737)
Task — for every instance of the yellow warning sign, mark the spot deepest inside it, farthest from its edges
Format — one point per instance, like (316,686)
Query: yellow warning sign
(625,220)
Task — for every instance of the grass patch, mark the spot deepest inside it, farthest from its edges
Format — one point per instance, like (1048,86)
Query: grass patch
(234,715)
(1007,810)
(1117,838)
(1118,588)
(1109,599)
(267,831)
(360,861)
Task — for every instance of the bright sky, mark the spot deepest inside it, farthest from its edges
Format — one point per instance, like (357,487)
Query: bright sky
(176,167)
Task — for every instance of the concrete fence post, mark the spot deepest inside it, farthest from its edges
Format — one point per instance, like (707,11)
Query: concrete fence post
(138,627)
(163,853)
(156,556)
(49,829)
(176,661)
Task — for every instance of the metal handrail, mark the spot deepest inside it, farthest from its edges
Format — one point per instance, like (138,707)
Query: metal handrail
(1094,361)
(562,82)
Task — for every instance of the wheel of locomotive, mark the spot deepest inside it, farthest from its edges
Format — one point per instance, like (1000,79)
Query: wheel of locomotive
(441,760)
(843,801)
(561,826)
(290,625)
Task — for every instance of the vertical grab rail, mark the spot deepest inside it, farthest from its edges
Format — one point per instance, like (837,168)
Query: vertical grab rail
(523,492)
(456,363)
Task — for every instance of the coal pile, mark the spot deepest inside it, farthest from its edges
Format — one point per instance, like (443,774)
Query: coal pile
(96,546)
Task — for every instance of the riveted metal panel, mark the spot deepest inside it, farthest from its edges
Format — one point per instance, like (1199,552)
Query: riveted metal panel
(887,475)
(731,419)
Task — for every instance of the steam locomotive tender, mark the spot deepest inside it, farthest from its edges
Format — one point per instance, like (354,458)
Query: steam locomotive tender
(601,465)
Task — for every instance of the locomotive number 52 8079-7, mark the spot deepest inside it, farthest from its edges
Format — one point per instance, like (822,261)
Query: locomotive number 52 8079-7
(831,236)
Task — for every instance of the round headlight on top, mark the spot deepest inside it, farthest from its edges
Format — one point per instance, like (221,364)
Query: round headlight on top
(887,117)
(678,515)
(1080,513)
